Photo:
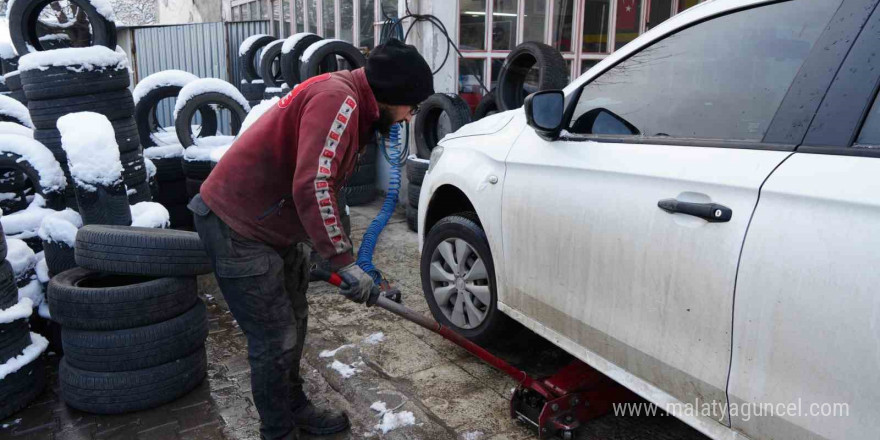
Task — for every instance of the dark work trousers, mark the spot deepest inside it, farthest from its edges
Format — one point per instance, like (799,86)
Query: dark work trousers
(266,292)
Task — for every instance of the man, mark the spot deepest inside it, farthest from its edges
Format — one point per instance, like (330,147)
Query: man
(275,188)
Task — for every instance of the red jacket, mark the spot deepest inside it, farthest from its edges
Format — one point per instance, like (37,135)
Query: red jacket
(300,150)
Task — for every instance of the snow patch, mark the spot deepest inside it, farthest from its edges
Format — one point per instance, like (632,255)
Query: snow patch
(16,110)
(291,41)
(16,129)
(22,309)
(33,291)
(208,85)
(177,78)
(61,226)
(150,215)
(248,42)
(267,47)
(92,151)
(273,90)
(168,135)
(37,347)
(331,353)
(20,256)
(391,420)
(375,338)
(26,223)
(256,112)
(41,159)
(344,370)
(472,435)
(42,270)
(7,51)
(415,158)
(257,81)
(151,168)
(218,152)
(314,47)
(163,152)
(43,311)
(214,141)
(77,59)
(13,423)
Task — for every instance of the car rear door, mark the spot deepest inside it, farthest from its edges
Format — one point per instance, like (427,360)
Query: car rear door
(623,237)
(807,313)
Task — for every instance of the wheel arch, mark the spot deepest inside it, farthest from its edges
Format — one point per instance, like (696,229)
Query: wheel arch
(448,200)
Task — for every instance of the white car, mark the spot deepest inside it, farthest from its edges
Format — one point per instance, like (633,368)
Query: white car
(697,217)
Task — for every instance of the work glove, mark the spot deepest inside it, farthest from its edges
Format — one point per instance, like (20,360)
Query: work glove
(358,284)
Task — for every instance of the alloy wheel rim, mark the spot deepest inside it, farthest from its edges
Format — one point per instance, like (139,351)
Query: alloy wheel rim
(460,283)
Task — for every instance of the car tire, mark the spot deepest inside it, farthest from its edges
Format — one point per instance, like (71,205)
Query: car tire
(290,61)
(60,82)
(106,205)
(60,256)
(316,63)
(193,186)
(169,169)
(412,218)
(145,110)
(428,120)
(83,299)
(412,192)
(269,60)
(416,169)
(247,60)
(141,251)
(20,388)
(365,174)
(126,391)
(54,197)
(125,129)
(196,169)
(359,195)
(24,16)
(15,336)
(15,112)
(183,126)
(493,323)
(114,105)
(552,73)
(8,289)
(488,106)
(12,180)
(137,348)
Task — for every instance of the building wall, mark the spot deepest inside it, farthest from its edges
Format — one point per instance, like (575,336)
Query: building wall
(191,11)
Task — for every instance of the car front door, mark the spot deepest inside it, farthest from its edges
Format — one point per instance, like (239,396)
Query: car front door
(623,237)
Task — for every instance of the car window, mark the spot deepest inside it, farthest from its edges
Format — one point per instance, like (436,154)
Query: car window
(720,79)
(870,134)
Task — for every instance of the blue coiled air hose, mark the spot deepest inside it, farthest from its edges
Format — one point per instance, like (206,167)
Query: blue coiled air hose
(371,236)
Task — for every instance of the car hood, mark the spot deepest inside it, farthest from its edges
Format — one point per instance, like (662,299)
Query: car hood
(489,125)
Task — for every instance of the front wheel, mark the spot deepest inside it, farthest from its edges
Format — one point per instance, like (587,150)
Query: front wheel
(458,279)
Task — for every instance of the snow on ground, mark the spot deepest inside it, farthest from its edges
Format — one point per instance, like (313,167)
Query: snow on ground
(314,47)
(77,59)
(92,152)
(256,112)
(163,151)
(291,41)
(38,346)
(22,309)
(391,420)
(26,223)
(150,215)
(331,353)
(172,77)
(208,85)
(61,227)
(40,158)
(344,370)
(14,109)
(16,129)
(375,338)
(248,42)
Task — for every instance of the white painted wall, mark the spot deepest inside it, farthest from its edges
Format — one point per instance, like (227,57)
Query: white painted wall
(190,11)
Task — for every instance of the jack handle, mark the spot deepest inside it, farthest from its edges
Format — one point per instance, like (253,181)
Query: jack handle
(386,291)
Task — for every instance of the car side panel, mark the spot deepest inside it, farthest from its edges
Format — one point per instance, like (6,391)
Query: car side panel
(807,310)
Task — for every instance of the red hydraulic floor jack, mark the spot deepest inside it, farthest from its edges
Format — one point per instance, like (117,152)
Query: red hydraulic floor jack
(556,405)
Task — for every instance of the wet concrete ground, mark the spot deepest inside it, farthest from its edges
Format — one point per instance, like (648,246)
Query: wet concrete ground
(450,393)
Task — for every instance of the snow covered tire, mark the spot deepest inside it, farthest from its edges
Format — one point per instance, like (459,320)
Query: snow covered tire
(145,110)
(106,205)
(59,256)
(15,336)
(61,82)
(87,300)
(416,170)
(126,391)
(290,61)
(24,15)
(270,60)
(552,73)
(316,63)
(141,251)
(247,61)
(114,105)
(18,389)
(137,348)
(183,125)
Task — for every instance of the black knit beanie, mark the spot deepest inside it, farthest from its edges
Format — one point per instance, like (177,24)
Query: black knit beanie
(398,74)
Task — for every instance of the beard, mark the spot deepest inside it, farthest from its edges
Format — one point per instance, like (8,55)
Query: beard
(385,122)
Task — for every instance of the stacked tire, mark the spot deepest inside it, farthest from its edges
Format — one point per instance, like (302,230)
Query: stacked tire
(133,327)
(252,83)
(172,192)
(91,79)
(416,169)
(22,368)
(360,188)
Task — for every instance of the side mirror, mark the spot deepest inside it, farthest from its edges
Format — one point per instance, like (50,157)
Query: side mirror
(545,111)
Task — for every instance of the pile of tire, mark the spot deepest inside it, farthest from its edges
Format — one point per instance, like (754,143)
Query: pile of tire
(440,114)
(16,190)
(360,188)
(252,83)
(13,83)
(197,156)
(22,367)
(416,169)
(133,327)
(92,79)
(8,63)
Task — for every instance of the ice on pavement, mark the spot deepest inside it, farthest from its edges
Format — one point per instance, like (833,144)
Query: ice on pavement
(331,353)
(375,338)
(344,370)
(390,419)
